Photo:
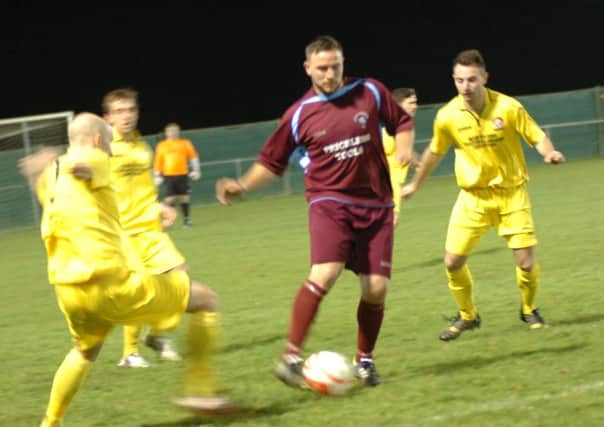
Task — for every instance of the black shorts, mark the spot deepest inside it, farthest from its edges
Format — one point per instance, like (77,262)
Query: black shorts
(177,185)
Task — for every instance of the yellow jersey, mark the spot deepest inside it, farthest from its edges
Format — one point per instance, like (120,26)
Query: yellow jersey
(390,149)
(132,180)
(80,221)
(488,152)
(172,156)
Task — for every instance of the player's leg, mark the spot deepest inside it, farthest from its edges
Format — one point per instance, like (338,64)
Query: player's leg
(160,301)
(88,333)
(203,341)
(468,223)
(68,379)
(527,279)
(182,189)
(185,206)
(158,341)
(517,226)
(157,254)
(170,197)
(201,390)
(330,242)
(131,357)
(169,200)
(370,314)
(306,303)
(304,311)
(371,259)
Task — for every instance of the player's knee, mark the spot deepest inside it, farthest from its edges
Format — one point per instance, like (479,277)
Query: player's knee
(325,275)
(202,298)
(525,259)
(526,264)
(92,353)
(454,262)
(375,294)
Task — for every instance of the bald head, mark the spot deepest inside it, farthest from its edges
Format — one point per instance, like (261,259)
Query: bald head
(87,129)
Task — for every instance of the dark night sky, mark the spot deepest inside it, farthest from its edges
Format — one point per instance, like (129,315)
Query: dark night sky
(212,65)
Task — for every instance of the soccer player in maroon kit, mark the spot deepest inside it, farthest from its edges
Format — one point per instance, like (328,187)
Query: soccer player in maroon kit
(348,191)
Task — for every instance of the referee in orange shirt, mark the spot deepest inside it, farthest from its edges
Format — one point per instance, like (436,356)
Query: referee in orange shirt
(176,160)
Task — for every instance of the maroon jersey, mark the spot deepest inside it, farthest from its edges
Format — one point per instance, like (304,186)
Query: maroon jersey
(341,133)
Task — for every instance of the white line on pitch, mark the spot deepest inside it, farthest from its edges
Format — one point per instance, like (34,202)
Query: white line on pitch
(499,405)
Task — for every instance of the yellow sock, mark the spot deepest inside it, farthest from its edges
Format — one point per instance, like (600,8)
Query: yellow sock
(131,334)
(528,282)
(203,341)
(460,284)
(51,422)
(68,379)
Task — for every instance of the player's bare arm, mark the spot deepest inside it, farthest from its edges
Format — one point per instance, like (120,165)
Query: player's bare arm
(426,166)
(257,177)
(33,165)
(549,153)
(404,148)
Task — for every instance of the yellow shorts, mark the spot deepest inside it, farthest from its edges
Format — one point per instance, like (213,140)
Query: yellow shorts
(398,175)
(92,309)
(156,251)
(475,211)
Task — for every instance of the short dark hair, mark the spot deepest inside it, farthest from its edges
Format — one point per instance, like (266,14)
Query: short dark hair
(402,93)
(118,94)
(322,43)
(469,57)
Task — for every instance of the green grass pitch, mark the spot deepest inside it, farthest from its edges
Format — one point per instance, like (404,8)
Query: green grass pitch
(255,254)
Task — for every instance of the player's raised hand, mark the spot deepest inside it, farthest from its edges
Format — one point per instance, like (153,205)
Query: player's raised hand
(227,188)
(554,157)
(32,166)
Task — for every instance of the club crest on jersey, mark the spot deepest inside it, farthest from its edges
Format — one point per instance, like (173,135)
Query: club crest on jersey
(361,118)
(498,123)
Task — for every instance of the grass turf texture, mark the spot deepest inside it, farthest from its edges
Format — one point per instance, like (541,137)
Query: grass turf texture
(255,254)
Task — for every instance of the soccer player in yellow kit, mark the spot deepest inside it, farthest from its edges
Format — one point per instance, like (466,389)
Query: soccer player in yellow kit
(484,126)
(95,285)
(407,99)
(139,210)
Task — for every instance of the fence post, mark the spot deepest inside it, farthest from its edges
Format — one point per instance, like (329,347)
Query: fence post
(599,100)
(238,169)
(28,150)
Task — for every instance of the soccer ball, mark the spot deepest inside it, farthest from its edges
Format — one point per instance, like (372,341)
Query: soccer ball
(328,373)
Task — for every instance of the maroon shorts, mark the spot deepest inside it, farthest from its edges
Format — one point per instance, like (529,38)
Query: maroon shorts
(361,237)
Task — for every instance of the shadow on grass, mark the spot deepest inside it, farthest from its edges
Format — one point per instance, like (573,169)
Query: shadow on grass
(480,361)
(255,342)
(250,413)
(440,260)
(579,320)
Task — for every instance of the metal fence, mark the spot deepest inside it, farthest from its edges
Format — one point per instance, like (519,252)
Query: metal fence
(577,139)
